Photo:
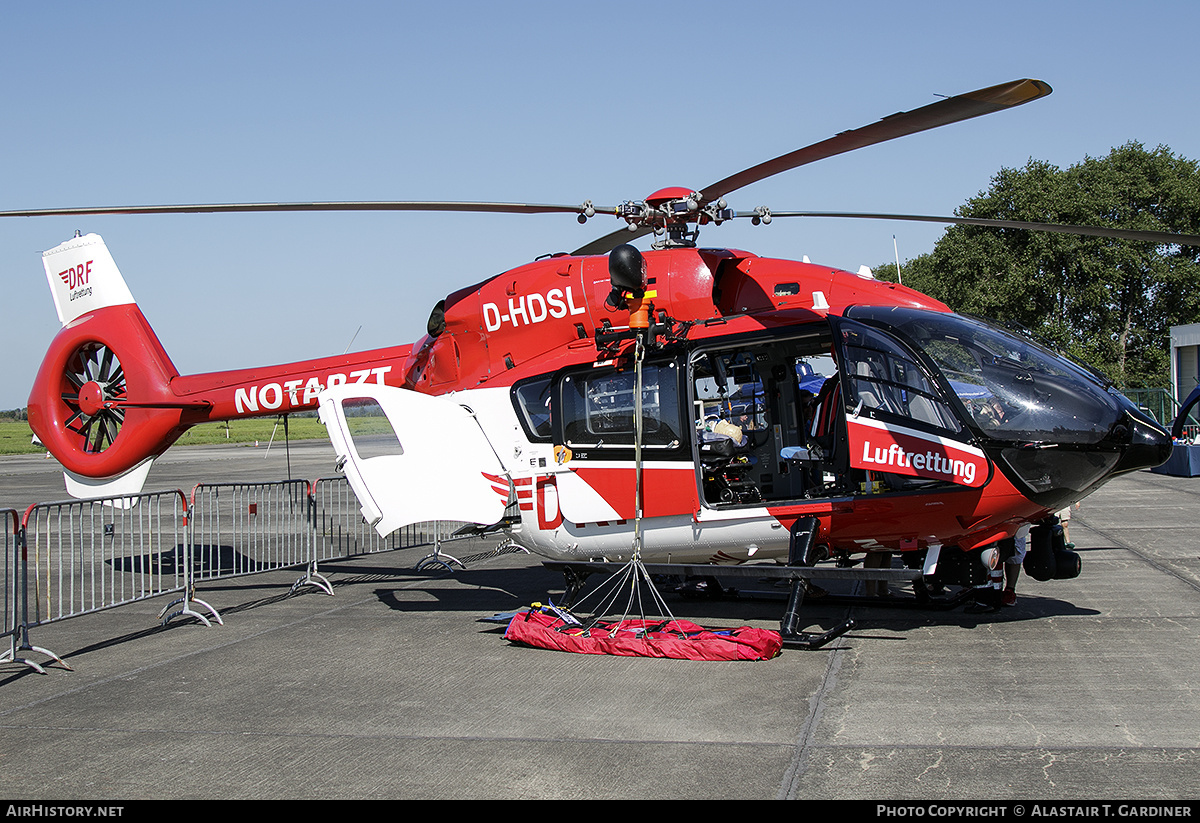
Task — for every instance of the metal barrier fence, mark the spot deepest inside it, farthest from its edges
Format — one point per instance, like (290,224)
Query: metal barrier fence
(244,528)
(341,531)
(8,571)
(1161,405)
(85,555)
(16,597)
(80,556)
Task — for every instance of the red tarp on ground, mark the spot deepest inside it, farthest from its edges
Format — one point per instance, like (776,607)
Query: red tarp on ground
(677,639)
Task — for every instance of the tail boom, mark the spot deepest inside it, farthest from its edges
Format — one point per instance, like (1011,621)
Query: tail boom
(107,397)
(157,404)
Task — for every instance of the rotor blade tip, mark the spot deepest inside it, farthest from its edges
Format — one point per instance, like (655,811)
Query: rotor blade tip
(1013,94)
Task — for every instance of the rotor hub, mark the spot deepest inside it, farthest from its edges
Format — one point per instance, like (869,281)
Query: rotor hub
(670,213)
(91,398)
(93,388)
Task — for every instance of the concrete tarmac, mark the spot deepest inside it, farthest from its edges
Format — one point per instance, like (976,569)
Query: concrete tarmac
(396,687)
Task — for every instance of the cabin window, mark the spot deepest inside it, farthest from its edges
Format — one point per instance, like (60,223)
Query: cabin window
(531,399)
(598,409)
(733,392)
(369,428)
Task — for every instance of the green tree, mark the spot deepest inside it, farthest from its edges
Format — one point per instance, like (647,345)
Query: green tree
(1104,302)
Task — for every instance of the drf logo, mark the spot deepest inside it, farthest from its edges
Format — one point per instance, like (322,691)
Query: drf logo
(531,308)
(76,276)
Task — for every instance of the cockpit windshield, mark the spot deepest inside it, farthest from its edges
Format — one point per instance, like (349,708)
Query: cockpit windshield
(1014,389)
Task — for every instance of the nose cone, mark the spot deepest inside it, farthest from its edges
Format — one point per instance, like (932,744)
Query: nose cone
(1055,474)
(1149,446)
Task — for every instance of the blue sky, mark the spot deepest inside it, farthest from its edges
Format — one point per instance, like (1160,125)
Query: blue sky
(545,102)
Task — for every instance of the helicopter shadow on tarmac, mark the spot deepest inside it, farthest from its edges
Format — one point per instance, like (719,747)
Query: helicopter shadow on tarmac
(493,590)
(885,616)
(494,593)
(486,593)
(894,614)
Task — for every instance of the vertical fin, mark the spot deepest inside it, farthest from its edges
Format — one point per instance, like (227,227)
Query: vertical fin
(83,277)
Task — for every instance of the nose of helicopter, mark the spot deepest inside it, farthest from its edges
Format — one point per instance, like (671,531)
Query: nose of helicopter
(1149,446)
(1057,474)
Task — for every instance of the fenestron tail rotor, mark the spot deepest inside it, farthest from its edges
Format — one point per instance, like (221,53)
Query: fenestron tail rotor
(93,387)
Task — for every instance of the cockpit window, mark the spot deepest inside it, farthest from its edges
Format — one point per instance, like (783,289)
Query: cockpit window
(1014,389)
(884,378)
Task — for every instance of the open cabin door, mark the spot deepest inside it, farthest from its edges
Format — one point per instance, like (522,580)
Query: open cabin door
(752,414)
(413,457)
(899,424)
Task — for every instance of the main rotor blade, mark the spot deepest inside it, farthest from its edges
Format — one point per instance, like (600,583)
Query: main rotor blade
(1160,237)
(605,244)
(350,205)
(941,113)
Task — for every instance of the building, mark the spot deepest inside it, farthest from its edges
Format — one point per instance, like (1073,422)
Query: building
(1185,360)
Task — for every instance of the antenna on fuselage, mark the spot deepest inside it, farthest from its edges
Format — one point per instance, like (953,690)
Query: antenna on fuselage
(896,250)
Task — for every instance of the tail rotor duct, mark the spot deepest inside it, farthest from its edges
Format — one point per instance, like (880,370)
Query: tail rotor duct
(93,386)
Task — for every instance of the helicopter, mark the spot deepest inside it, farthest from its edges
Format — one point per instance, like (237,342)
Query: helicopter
(697,405)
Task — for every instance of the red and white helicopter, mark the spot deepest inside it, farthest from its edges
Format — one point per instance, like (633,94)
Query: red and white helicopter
(699,405)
